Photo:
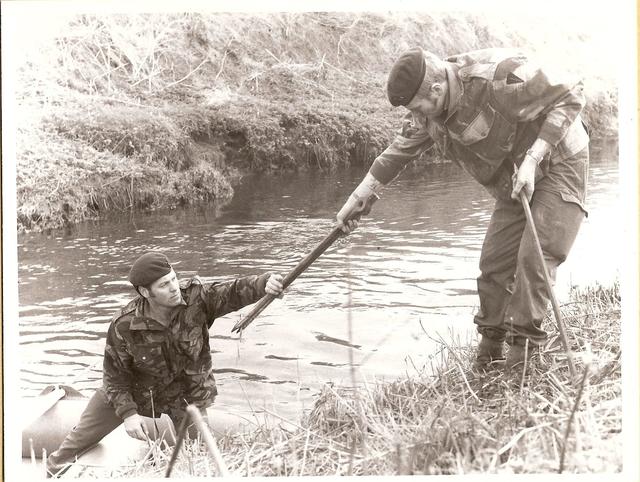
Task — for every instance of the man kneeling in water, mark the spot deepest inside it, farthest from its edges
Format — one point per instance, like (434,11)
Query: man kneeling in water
(157,357)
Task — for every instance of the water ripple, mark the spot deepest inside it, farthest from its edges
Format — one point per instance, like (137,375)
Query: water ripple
(411,266)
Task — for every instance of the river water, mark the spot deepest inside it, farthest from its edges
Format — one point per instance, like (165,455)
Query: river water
(385,296)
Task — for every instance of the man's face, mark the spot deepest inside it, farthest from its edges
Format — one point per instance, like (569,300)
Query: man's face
(165,291)
(430,106)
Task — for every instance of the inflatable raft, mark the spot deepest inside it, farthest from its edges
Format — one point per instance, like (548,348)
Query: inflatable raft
(58,408)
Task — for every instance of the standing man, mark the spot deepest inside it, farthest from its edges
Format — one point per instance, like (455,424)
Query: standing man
(496,113)
(157,357)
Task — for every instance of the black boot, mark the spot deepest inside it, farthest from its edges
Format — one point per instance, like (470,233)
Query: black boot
(489,351)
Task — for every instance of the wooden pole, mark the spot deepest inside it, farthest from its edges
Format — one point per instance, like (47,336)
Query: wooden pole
(204,429)
(302,265)
(181,433)
(547,281)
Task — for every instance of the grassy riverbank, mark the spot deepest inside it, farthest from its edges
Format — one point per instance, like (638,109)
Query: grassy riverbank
(121,112)
(452,420)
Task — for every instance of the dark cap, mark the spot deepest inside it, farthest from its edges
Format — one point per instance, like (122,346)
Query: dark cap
(148,268)
(405,77)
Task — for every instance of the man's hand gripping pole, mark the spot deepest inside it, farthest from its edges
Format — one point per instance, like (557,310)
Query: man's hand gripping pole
(363,208)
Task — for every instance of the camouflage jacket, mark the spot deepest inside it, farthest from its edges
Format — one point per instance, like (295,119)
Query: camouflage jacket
(499,103)
(149,367)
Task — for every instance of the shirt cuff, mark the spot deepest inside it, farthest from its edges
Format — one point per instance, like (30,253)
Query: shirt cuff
(383,174)
(262,282)
(126,410)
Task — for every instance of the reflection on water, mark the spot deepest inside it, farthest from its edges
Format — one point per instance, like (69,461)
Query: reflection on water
(408,274)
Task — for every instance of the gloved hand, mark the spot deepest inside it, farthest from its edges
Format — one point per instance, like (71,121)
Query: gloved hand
(356,202)
(524,177)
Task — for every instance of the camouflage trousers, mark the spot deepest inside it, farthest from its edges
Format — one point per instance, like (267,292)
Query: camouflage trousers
(97,421)
(511,287)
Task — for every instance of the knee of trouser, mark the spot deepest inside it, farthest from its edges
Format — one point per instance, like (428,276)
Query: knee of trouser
(487,282)
(555,252)
(487,267)
(529,266)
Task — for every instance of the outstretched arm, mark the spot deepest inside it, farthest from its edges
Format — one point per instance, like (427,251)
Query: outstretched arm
(223,298)
(411,140)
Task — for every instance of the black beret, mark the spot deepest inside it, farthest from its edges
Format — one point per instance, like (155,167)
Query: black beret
(148,268)
(405,77)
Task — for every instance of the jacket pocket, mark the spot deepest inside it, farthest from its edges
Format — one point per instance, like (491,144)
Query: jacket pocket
(570,198)
(489,135)
(484,145)
(150,360)
(478,128)
(191,339)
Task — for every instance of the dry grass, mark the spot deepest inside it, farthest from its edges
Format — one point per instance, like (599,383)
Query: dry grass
(265,91)
(452,419)
(153,53)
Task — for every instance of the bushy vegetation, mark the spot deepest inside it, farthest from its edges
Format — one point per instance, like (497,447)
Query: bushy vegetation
(167,99)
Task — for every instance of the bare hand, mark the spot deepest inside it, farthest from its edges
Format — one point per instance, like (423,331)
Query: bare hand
(348,226)
(274,286)
(135,427)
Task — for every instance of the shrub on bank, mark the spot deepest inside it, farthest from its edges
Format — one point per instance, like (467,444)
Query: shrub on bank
(264,136)
(62,182)
(91,158)
(144,133)
(252,133)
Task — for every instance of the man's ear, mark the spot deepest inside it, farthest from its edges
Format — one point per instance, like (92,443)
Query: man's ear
(437,89)
(143,291)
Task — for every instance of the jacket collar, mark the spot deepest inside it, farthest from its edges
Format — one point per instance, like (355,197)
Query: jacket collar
(140,321)
(455,88)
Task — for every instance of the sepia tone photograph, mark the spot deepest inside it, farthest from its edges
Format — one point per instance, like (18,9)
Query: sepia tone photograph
(245,240)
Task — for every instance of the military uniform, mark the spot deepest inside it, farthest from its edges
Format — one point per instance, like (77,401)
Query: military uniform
(151,369)
(498,104)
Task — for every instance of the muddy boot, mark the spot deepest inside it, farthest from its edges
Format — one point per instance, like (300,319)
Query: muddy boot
(489,351)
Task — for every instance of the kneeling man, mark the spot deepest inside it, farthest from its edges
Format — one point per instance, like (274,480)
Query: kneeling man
(157,357)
